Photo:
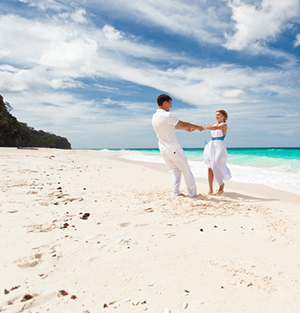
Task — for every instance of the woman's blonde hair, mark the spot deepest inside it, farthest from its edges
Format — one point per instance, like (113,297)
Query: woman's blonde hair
(224,113)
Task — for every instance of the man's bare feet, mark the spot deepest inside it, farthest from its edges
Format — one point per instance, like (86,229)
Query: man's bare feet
(180,195)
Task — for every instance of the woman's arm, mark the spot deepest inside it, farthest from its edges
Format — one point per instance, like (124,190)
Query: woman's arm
(222,126)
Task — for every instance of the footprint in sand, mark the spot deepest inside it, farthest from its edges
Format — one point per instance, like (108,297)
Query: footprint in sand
(29,261)
(125,224)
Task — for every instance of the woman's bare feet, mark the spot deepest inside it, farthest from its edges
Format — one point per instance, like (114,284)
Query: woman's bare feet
(209,193)
(221,190)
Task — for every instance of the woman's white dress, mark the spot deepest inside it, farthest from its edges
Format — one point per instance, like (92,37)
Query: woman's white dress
(215,157)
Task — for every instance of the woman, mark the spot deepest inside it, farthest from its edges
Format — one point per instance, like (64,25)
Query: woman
(215,153)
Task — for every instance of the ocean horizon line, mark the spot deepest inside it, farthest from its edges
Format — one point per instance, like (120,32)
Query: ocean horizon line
(156,148)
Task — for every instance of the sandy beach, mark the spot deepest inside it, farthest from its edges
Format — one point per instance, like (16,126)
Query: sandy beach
(86,231)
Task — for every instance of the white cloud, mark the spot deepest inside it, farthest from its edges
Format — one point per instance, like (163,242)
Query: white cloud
(200,20)
(8,68)
(134,107)
(111,33)
(259,23)
(59,55)
(108,101)
(233,93)
(78,16)
(106,88)
(56,54)
(297,41)
(44,4)
(237,25)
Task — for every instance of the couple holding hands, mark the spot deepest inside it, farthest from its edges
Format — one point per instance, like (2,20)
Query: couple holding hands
(215,153)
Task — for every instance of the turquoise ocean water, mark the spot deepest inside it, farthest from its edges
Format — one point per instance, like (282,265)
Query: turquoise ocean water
(275,167)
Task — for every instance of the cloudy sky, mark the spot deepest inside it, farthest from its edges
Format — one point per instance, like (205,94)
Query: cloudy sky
(91,70)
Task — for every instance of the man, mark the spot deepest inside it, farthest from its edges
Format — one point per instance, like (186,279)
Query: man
(164,124)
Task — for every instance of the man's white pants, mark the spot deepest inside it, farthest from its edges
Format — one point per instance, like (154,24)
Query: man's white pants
(178,163)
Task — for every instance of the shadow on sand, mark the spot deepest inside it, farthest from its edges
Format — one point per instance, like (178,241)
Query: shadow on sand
(234,195)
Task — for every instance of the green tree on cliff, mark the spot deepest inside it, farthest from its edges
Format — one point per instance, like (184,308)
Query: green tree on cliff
(16,134)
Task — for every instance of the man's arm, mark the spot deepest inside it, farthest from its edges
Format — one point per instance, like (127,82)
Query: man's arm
(188,126)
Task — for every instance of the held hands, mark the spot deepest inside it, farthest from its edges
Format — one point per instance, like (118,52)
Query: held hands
(190,129)
(195,127)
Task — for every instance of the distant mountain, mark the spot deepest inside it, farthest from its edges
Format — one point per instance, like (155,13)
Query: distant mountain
(16,134)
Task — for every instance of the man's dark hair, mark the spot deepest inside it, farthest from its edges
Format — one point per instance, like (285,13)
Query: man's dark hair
(162,98)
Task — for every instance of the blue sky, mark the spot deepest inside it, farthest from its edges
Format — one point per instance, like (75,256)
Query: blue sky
(91,70)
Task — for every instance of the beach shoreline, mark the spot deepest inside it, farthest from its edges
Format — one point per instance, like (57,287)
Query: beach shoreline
(231,186)
(107,231)
(278,169)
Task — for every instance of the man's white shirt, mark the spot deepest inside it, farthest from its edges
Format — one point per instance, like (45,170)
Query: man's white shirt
(164,124)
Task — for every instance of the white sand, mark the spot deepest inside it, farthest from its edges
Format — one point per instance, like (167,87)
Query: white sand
(140,249)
